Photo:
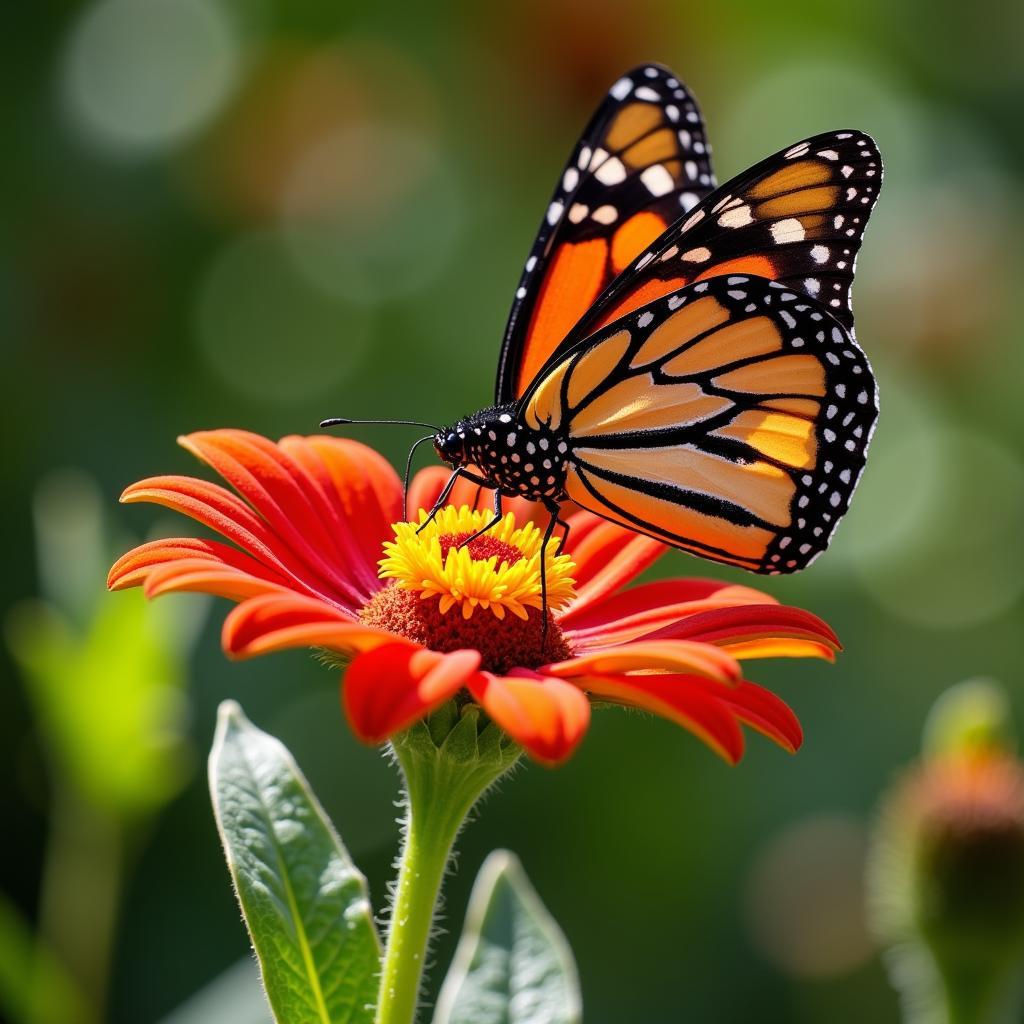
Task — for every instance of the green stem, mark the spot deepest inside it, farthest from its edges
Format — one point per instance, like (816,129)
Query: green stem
(446,769)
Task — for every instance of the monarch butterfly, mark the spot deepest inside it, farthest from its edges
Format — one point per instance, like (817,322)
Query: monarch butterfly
(680,359)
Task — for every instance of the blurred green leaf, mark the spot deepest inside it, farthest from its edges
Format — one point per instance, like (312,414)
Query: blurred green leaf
(513,964)
(105,672)
(304,901)
(111,701)
(34,987)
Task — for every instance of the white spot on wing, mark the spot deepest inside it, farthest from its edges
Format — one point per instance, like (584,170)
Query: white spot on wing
(621,89)
(611,172)
(736,218)
(657,180)
(790,230)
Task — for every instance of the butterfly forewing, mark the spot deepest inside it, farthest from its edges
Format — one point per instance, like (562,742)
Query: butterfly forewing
(642,162)
(730,418)
(797,217)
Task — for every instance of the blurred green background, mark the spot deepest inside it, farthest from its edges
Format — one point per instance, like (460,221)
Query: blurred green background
(257,213)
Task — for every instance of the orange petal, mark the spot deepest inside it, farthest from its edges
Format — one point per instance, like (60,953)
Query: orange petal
(216,507)
(546,716)
(390,687)
(367,490)
(290,501)
(652,655)
(607,557)
(134,567)
(771,647)
(275,622)
(761,622)
(673,697)
(639,611)
(761,710)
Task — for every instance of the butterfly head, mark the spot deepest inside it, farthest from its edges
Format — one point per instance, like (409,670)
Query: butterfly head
(450,444)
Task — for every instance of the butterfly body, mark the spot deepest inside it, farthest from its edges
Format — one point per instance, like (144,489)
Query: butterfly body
(513,457)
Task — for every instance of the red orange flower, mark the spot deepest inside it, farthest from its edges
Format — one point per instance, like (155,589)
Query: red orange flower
(308,565)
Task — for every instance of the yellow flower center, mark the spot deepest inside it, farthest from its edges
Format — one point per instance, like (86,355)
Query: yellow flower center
(499,570)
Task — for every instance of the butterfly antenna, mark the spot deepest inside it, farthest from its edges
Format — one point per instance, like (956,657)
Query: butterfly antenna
(335,421)
(408,468)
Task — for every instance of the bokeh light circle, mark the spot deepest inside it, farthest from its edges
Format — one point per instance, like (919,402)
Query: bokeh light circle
(268,333)
(143,75)
(373,212)
(955,560)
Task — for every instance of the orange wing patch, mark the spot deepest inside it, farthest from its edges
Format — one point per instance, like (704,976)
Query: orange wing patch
(577,275)
(684,527)
(637,404)
(779,376)
(635,235)
(786,439)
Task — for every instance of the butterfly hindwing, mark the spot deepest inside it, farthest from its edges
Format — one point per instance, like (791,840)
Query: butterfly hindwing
(797,217)
(641,162)
(730,418)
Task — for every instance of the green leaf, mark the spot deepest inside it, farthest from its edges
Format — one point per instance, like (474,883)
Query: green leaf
(513,964)
(119,686)
(304,901)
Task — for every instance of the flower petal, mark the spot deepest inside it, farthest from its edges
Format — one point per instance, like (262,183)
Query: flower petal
(275,485)
(673,697)
(747,650)
(761,710)
(366,489)
(213,506)
(390,687)
(275,622)
(607,557)
(135,567)
(639,611)
(647,655)
(546,716)
(746,628)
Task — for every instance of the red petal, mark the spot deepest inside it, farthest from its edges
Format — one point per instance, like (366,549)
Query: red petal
(389,688)
(647,655)
(760,709)
(134,567)
(641,610)
(750,623)
(275,622)
(673,697)
(276,487)
(366,491)
(548,717)
(607,557)
(213,506)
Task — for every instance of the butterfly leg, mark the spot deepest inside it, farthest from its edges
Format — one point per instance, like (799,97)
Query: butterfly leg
(498,516)
(559,521)
(544,575)
(447,489)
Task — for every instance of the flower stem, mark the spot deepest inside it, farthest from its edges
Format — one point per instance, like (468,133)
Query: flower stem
(446,770)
